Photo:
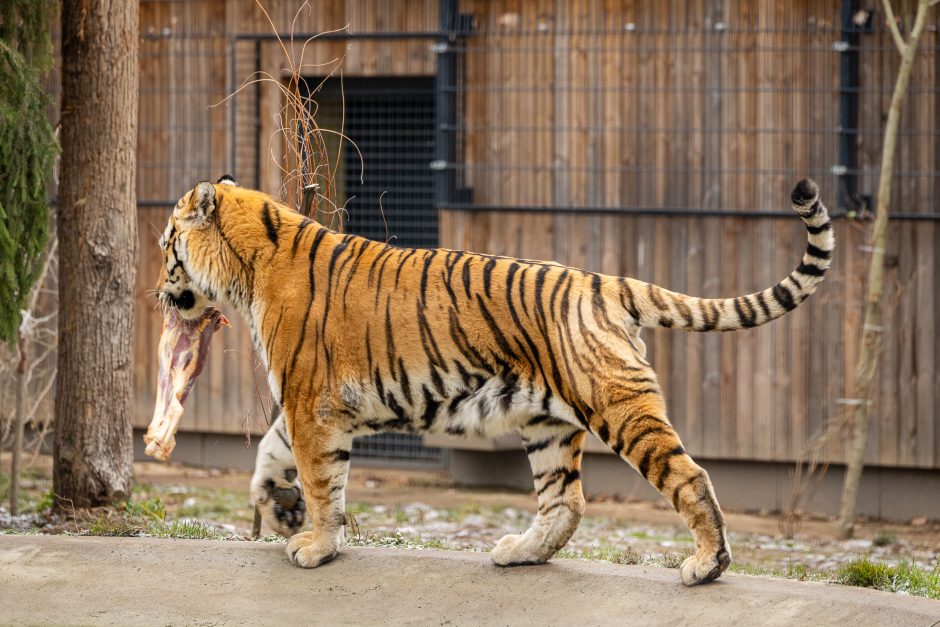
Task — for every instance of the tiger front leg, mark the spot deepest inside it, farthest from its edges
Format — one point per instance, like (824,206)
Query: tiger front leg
(322,455)
(275,490)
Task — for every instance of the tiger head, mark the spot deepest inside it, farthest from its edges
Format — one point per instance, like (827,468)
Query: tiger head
(198,267)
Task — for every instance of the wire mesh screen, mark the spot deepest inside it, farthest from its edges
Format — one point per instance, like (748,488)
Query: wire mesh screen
(686,105)
(403,449)
(183,132)
(390,191)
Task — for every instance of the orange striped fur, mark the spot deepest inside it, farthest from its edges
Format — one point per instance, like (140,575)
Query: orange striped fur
(358,337)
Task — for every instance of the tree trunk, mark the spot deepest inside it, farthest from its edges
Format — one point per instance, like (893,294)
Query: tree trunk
(18,418)
(97,226)
(871,328)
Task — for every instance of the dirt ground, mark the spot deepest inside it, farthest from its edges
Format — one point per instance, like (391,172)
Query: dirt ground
(424,509)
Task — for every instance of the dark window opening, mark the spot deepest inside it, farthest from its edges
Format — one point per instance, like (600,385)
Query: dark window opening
(389,194)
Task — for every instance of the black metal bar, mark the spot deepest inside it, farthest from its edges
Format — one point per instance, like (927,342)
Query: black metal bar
(848,107)
(340,35)
(233,109)
(257,115)
(445,109)
(665,212)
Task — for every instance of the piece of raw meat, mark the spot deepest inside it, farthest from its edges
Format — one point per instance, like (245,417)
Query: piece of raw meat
(184,345)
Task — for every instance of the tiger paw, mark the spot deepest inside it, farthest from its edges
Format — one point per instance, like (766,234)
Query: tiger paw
(703,569)
(310,549)
(281,504)
(519,550)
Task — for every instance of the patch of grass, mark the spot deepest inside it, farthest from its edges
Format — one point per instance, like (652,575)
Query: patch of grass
(674,559)
(358,508)
(47,501)
(605,554)
(399,541)
(401,516)
(793,570)
(884,538)
(184,529)
(32,531)
(35,491)
(213,504)
(152,508)
(905,578)
(113,527)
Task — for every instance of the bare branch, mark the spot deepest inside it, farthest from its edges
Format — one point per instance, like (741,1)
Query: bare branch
(892,23)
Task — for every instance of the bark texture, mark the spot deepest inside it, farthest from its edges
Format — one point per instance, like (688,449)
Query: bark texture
(97,226)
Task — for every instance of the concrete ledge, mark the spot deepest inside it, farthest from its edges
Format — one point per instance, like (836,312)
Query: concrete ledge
(134,581)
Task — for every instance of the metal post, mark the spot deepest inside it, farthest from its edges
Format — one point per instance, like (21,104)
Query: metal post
(445,110)
(848,106)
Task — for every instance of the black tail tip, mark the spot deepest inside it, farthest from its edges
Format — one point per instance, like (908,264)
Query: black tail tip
(805,192)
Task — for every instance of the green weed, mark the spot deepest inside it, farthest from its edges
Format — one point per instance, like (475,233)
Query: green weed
(906,577)
(184,529)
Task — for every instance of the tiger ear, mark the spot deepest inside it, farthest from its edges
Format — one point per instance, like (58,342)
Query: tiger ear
(197,207)
(227,179)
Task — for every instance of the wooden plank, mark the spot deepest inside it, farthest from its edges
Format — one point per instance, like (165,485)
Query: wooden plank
(903,324)
(925,358)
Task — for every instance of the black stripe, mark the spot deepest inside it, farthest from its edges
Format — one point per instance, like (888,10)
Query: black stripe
(269,223)
(644,466)
(816,230)
(431,406)
(532,447)
(710,315)
(819,253)
(300,233)
(763,305)
(748,319)
(312,278)
(487,275)
(465,276)
(642,434)
(810,269)
(424,275)
(401,264)
(570,477)
(783,296)
(501,340)
(282,436)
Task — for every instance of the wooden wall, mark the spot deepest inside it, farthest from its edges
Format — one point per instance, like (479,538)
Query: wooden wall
(578,107)
(565,104)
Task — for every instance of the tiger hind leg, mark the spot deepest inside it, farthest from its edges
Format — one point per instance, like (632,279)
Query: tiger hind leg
(275,490)
(635,426)
(554,449)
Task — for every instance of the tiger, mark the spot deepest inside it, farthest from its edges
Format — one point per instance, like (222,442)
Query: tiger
(359,336)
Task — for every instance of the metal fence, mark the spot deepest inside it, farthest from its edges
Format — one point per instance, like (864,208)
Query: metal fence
(681,107)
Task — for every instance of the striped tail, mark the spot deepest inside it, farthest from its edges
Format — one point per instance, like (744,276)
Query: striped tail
(654,306)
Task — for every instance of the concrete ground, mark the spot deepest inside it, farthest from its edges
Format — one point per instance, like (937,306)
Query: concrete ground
(142,581)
